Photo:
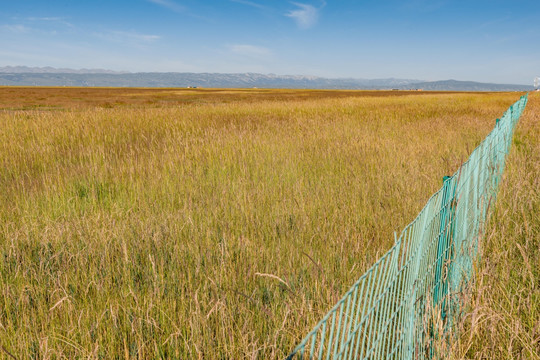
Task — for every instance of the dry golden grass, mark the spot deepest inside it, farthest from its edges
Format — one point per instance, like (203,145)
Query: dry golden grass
(51,98)
(140,223)
(503,320)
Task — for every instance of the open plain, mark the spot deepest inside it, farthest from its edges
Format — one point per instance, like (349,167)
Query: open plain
(223,224)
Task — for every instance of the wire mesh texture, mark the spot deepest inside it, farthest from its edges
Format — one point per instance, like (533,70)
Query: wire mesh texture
(410,298)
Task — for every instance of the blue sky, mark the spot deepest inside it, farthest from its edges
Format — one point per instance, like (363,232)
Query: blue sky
(495,41)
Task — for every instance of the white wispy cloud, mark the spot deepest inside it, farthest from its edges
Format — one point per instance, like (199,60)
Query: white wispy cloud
(250,3)
(250,50)
(171,5)
(127,37)
(16,28)
(50,18)
(305,15)
(53,20)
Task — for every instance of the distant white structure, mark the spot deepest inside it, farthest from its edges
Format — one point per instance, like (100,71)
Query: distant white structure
(536,82)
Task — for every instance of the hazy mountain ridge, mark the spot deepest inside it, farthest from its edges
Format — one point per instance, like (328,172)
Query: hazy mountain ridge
(51,70)
(456,85)
(47,76)
(215,80)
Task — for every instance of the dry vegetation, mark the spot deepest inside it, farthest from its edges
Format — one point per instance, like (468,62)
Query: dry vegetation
(139,223)
(503,321)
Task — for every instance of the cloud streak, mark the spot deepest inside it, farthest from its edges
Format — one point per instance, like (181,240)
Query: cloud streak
(168,4)
(250,50)
(305,15)
(251,3)
(128,37)
(53,20)
(16,28)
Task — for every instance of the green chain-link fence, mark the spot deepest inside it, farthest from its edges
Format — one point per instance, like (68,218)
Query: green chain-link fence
(411,297)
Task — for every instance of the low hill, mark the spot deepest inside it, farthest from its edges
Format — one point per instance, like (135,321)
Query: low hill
(456,85)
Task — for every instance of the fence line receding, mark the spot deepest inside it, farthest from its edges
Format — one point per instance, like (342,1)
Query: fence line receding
(410,298)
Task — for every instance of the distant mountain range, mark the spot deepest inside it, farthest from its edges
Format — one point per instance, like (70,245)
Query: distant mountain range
(51,70)
(455,85)
(47,76)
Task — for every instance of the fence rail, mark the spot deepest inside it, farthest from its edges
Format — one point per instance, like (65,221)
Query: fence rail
(410,298)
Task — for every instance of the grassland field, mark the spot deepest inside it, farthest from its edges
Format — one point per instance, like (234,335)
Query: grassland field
(223,224)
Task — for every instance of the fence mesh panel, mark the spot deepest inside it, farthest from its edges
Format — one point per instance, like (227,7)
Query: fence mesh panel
(410,297)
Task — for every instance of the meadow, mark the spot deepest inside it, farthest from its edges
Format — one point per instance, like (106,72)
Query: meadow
(503,320)
(223,224)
